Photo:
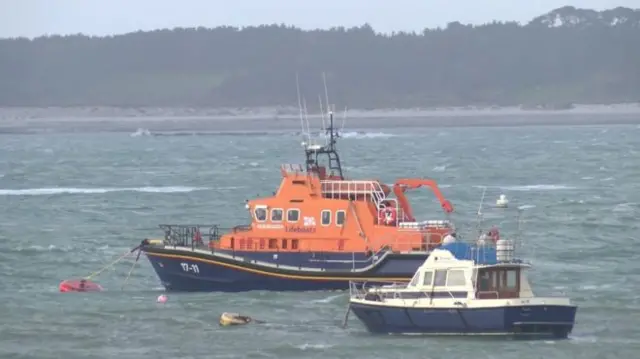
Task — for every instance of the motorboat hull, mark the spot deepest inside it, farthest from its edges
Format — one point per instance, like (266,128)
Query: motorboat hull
(526,321)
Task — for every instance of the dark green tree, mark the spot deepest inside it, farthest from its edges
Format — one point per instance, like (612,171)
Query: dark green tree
(568,55)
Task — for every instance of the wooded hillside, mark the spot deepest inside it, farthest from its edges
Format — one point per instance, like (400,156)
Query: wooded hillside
(566,56)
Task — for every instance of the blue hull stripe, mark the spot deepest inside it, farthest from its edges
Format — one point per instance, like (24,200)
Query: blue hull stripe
(279,273)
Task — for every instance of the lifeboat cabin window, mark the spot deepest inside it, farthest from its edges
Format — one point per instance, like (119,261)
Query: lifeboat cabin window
(326,217)
(428,278)
(293,215)
(284,244)
(495,283)
(294,244)
(276,215)
(340,218)
(273,243)
(260,214)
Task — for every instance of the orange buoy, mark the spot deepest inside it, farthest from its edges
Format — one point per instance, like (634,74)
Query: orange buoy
(79,285)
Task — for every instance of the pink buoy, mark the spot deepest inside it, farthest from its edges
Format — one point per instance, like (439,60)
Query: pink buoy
(162,298)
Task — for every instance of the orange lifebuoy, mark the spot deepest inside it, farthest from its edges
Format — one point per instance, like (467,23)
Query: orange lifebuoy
(388,215)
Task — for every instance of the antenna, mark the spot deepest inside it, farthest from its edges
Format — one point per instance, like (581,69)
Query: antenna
(329,109)
(324,128)
(326,92)
(344,119)
(518,236)
(479,214)
(300,110)
(306,117)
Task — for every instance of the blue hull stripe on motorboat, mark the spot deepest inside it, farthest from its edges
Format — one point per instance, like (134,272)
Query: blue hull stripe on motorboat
(543,320)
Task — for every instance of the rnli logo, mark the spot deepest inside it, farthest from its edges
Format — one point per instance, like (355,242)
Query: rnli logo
(309,221)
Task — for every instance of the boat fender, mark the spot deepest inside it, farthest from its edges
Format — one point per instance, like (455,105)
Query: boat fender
(149,242)
(197,236)
(494,234)
(231,319)
(448,239)
(374,297)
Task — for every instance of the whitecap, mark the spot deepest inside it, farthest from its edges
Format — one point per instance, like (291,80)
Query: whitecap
(306,346)
(327,299)
(526,206)
(74,190)
(141,132)
(533,187)
(365,135)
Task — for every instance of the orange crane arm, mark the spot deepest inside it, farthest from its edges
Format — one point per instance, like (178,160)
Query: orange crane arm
(402,185)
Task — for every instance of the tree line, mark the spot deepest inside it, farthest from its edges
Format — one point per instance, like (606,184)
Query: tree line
(566,56)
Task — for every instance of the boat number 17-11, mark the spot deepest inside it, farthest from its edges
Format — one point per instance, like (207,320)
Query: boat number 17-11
(190,267)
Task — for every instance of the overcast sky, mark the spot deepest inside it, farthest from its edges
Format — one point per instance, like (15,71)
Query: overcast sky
(101,17)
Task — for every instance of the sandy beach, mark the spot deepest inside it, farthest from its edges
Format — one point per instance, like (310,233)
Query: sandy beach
(87,119)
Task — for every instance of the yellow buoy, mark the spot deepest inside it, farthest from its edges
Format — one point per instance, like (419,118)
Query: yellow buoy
(228,319)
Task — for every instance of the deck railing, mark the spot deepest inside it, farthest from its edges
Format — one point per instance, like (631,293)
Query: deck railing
(381,291)
(199,236)
(196,235)
(371,190)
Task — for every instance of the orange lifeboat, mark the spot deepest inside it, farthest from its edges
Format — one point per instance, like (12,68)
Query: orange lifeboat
(318,231)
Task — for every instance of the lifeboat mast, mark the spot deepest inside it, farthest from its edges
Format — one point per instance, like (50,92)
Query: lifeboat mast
(314,151)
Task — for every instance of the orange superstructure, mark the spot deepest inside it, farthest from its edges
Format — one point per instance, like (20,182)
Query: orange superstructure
(315,212)
(311,213)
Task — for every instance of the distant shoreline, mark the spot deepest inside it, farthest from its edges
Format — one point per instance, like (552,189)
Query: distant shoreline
(119,119)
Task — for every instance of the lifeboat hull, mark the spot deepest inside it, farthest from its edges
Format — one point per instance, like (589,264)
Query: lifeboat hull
(184,269)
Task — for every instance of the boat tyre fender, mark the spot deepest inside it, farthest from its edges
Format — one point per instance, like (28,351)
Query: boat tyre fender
(373,297)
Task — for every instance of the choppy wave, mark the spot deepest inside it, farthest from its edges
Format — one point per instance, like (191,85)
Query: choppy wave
(73,190)
(362,135)
(143,132)
(533,187)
